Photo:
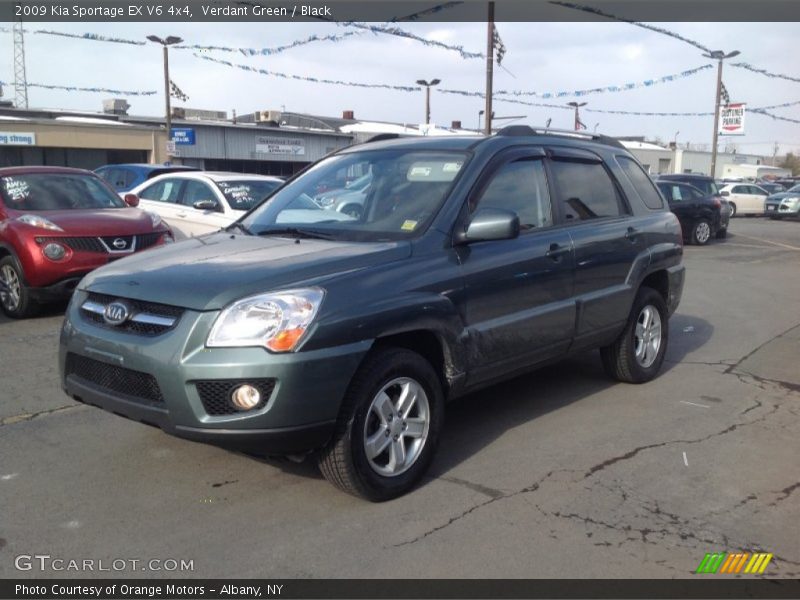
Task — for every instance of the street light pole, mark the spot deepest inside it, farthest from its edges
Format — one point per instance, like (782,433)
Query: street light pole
(489,67)
(576,106)
(428,85)
(719,55)
(165,43)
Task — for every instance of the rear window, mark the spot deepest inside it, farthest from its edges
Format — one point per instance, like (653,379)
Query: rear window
(56,191)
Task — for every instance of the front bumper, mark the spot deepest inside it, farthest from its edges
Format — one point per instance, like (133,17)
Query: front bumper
(299,414)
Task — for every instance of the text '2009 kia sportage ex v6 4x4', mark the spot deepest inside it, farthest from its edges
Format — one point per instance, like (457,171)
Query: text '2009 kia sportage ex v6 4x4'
(294,331)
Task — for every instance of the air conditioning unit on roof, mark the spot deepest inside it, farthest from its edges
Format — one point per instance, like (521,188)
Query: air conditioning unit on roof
(269,116)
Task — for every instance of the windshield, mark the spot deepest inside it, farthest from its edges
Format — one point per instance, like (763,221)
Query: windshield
(406,190)
(57,191)
(244,194)
(795,189)
(708,187)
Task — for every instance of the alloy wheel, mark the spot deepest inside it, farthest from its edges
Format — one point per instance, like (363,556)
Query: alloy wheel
(647,336)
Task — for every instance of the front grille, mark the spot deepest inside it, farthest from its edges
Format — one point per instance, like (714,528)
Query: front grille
(139,307)
(133,385)
(216,394)
(78,244)
(148,239)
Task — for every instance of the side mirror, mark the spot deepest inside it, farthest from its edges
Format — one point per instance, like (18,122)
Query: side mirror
(724,193)
(205,205)
(131,200)
(490,224)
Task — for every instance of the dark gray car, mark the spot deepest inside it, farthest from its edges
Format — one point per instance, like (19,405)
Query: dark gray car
(475,259)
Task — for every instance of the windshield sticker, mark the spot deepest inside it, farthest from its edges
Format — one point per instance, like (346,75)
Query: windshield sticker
(409,225)
(16,189)
(419,172)
(453,167)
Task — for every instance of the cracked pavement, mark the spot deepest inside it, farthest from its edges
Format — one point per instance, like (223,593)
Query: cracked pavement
(560,473)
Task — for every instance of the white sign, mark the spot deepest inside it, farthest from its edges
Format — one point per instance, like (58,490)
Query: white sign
(731,119)
(171,147)
(276,145)
(15,138)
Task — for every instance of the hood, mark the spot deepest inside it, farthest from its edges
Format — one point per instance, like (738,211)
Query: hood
(781,195)
(209,272)
(94,222)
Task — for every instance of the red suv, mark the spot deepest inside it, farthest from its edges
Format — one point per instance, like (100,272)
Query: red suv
(56,225)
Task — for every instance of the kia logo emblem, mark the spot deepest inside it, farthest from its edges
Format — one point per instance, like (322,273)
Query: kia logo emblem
(116,313)
(119,244)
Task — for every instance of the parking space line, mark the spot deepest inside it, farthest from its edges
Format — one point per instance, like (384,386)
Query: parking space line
(694,404)
(768,242)
(685,460)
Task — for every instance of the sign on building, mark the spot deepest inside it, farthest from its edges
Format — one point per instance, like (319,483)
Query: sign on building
(731,119)
(15,138)
(277,145)
(183,136)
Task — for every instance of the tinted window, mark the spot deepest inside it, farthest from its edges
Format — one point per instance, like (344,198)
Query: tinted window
(162,191)
(521,187)
(585,191)
(641,182)
(708,187)
(52,191)
(741,189)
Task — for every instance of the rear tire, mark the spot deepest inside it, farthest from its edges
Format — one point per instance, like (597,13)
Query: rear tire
(637,354)
(388,427)
(701,232)
(15,297)
(733,209)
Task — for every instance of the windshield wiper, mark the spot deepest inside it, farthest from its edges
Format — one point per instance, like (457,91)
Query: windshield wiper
(297,232)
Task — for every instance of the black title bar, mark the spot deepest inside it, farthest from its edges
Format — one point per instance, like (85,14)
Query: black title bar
(394,10)
(703,586)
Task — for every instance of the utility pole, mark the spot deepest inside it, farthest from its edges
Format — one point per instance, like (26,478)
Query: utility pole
(719,55)
(576,106)
(489,69)
(169,41)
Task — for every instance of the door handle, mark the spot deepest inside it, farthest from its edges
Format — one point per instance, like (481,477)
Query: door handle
(556,251)
(631,234)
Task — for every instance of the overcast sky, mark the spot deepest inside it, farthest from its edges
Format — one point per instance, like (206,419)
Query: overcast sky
(540,57)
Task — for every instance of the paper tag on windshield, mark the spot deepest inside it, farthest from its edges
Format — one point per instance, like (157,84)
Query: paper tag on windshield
(408,225)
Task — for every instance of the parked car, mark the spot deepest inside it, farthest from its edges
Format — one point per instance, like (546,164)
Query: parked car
(349,199)
(784,204)
(195,203)
(56,225)
(745,198)
(707,185)
(701,215)
(125,177)
(771,188)
(475,259)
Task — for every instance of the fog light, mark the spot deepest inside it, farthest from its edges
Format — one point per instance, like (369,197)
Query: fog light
(54,251)
(245,397)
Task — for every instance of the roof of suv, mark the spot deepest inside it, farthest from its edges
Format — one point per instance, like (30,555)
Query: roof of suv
(467,142)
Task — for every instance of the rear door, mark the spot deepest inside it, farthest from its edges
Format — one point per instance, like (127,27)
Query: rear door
(518,307)
(609,241)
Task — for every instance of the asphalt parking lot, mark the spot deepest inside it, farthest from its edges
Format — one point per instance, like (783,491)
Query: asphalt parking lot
(561,473)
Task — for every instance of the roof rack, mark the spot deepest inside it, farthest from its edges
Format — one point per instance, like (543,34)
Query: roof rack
(527,130)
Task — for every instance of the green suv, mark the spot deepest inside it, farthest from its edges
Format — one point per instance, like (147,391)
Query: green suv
(302,331)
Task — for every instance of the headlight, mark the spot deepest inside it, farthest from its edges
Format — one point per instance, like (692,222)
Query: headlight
(154,217)
(37,221)
(276,321)
(326,202)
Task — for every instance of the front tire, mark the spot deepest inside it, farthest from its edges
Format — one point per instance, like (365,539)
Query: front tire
(15,297)
(733,209)
(701,232)
(637,354)
(388,427)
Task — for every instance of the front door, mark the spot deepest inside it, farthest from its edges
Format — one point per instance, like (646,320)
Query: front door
(519,307)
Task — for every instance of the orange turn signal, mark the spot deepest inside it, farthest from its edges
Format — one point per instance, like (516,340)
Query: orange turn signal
(285,340)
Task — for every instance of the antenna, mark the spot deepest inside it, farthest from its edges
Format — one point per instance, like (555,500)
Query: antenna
(20,79)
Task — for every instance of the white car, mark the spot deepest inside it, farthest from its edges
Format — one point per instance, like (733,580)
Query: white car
(744,198)
(197,202)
